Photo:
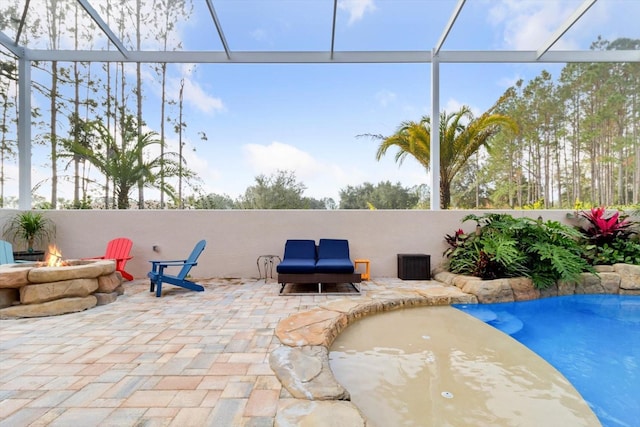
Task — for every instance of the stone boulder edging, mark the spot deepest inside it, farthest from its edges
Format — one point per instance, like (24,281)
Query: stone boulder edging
(31,290)
(301,364)
(622,279)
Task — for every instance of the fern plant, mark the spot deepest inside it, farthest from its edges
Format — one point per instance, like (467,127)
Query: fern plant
(504,246)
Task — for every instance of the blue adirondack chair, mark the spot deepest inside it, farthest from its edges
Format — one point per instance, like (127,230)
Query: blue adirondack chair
(157,275)
(6,254)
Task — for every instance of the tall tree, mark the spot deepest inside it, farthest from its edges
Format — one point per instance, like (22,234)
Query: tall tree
(122,161)
(55,14)
(461,135)
(166,13)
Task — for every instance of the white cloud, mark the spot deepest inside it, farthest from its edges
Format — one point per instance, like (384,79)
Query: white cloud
(200,100)
(268,159)
(385,97)
(527,25)
(356,8)
(322,179)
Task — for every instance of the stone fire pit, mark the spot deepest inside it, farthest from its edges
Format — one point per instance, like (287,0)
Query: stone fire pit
(35,290)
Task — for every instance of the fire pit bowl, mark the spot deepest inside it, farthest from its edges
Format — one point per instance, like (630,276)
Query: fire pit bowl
(36,290)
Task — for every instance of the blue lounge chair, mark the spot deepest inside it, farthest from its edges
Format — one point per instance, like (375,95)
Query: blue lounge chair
(157,276)
(299,257)
(329,262)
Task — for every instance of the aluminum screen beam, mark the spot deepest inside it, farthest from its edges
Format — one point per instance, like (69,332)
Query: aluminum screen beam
(434,159)
(216,21)
(321,57)
(200,57)
(103,26)
(447,29)
(7,42)
(333,26)
(24,134)
(575,16)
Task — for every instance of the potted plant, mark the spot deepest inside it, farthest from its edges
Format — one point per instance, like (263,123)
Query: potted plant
(29,227)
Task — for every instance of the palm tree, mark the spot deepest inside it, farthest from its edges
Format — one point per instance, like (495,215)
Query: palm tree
(461,135)
(121,162)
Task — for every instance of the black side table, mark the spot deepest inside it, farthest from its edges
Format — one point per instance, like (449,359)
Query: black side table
(414,266)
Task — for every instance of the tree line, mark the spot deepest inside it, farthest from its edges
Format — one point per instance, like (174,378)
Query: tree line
(578,141)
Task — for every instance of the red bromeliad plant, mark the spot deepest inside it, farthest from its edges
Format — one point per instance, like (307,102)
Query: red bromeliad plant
(454,240)
(604,229)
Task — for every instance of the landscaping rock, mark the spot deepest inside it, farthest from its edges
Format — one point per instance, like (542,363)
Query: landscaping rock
(105,298)
(92,269)
(610,282)
(109,283)
(43,292)
(313,327)
(551,291)
(305,373)
(523,289)
(14,276)
(489,291)
(589,284)
(331,414)
(629,276)
(51,308)
(566,288)
(8,297)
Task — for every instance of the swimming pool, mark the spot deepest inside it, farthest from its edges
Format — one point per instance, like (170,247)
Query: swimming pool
(593,340)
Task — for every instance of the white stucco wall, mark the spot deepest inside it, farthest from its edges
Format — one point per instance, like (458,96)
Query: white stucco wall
(235,238)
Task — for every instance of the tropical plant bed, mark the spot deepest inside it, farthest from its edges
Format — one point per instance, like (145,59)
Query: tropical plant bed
(623,279)
(535,256)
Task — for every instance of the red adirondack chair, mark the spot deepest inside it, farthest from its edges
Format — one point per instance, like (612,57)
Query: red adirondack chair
(118,250)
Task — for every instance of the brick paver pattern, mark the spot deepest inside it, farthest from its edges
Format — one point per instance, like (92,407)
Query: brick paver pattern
(185,359)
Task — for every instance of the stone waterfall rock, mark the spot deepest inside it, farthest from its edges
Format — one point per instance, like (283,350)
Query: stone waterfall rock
(305,373)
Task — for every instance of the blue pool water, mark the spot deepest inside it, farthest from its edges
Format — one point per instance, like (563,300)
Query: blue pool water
(593,340)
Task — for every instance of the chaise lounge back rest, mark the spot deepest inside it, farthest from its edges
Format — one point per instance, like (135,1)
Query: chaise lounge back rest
(333,257)
(299,257)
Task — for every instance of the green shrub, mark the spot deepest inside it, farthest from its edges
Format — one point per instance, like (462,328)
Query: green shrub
(504,246)
(608,239)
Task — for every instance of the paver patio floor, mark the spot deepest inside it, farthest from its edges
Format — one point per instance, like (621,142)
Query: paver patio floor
(185,359)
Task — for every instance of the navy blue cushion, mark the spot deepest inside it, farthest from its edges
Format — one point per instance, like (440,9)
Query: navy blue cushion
(298,265)
(299,257)
(333,248)
(334,265)
(333,256)
(305,249)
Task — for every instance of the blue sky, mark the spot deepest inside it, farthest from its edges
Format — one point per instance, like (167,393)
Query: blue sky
(306,118)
